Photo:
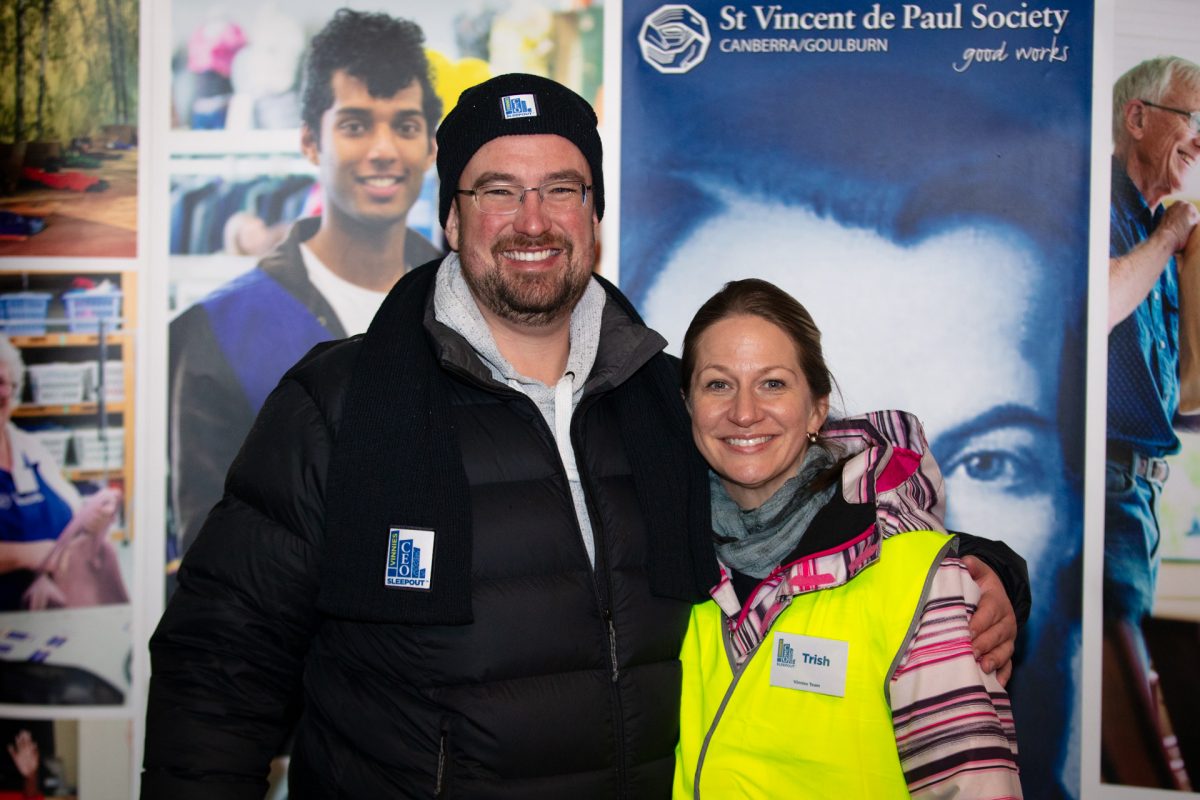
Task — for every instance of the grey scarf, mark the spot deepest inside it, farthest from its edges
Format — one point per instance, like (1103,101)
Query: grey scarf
(756,541)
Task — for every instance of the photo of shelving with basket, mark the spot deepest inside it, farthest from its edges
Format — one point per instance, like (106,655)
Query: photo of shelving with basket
(77,390)
(66,477)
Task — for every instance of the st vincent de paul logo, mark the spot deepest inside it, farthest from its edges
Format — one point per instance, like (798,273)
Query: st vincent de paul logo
(674,38)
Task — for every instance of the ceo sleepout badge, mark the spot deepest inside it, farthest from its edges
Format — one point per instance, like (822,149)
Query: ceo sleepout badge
(409,559)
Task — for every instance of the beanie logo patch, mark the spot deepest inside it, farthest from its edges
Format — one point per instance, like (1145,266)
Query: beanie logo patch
(516,106)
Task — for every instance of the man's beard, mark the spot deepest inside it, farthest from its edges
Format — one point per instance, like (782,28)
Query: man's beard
(533,300)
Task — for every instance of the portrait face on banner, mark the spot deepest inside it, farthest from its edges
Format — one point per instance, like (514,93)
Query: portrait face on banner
(988,401)
(930,211)
(369,176)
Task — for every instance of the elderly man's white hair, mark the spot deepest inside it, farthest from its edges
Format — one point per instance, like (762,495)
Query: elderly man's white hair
(1150,80)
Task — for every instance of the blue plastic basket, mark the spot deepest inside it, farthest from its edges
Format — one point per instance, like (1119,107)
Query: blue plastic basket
(24,313)
(85,309)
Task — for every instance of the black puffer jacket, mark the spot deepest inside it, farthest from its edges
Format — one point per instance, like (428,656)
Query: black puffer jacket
(532,675)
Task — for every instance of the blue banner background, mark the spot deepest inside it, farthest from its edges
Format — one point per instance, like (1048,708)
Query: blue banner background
(933,217)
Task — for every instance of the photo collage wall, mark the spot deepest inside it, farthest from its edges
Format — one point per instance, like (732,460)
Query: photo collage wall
(936,182)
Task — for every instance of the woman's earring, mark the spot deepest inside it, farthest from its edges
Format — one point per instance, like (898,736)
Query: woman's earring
(812,437)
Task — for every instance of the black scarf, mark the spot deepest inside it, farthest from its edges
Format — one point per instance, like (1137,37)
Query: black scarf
(396,461)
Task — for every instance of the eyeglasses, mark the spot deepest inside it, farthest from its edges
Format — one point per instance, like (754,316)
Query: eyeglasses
(506,198)
(1193,117)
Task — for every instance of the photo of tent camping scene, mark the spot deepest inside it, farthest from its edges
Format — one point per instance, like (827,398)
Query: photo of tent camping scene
(68,128)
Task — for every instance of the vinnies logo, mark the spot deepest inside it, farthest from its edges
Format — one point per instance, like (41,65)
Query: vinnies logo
(674,38)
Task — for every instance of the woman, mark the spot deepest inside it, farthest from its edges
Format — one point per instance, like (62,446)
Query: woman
(835,660)
(43,520)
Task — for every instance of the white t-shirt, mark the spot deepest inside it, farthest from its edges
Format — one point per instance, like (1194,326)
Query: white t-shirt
(355,306)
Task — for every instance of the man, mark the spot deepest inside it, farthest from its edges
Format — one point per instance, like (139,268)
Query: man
(369,112)
(474,533)
(1152,363)
(1156,141)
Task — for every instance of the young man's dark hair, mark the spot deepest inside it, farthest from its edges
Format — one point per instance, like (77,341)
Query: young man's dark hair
(385,53)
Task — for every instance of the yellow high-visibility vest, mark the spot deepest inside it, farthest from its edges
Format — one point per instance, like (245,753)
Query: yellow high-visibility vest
(741,737)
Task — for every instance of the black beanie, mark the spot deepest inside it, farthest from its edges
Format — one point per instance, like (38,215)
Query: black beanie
(514,105)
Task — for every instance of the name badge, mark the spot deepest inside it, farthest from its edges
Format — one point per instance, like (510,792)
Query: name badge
(810,664)
(409,559)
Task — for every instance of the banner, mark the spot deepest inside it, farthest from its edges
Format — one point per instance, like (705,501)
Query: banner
(247,304)
(67,372)
(1149,729)
(917,176)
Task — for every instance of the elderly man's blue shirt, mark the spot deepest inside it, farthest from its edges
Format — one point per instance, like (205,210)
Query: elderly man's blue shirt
(1143,350)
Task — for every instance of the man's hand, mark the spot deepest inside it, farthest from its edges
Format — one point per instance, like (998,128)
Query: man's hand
(1132,276)
(993,625)
(1178,221)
